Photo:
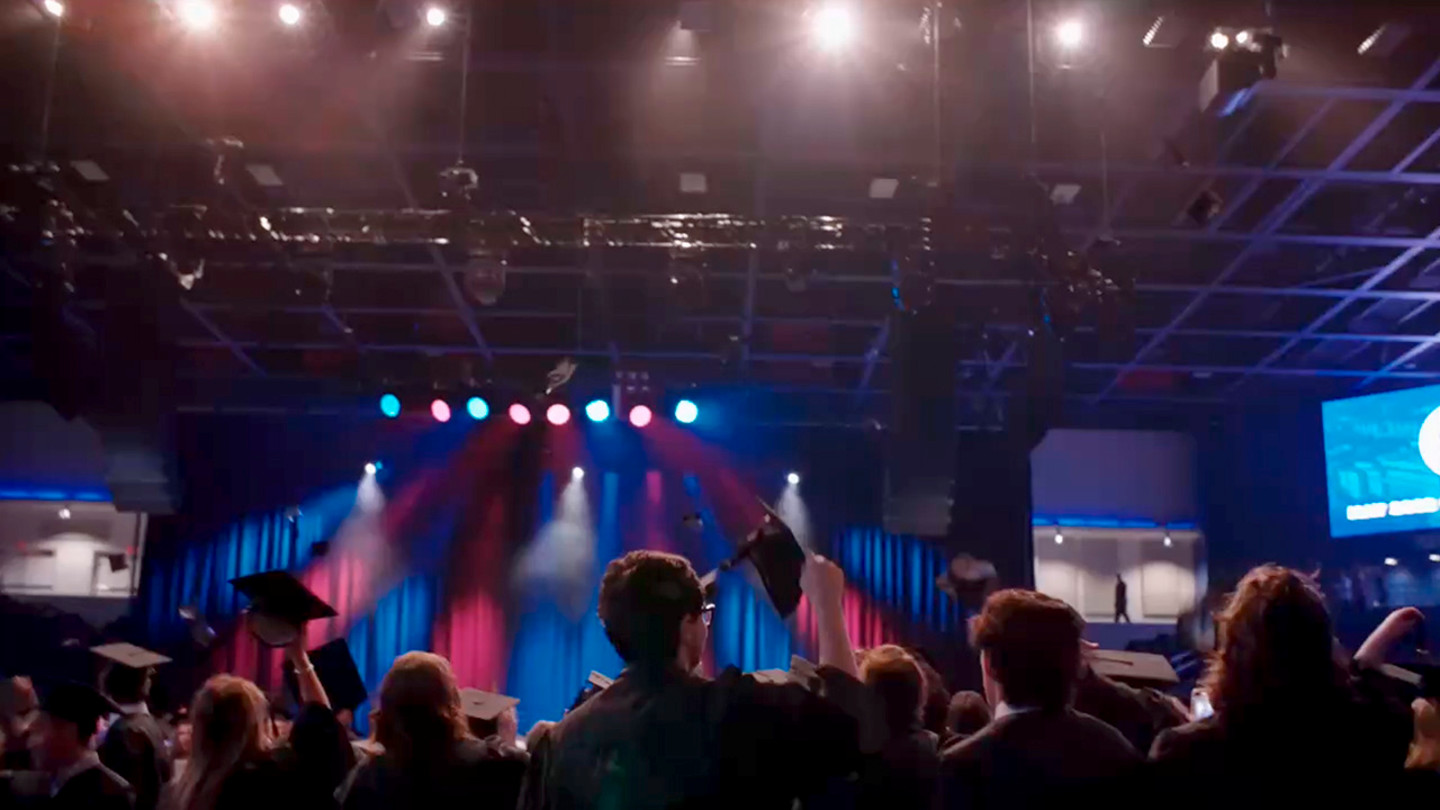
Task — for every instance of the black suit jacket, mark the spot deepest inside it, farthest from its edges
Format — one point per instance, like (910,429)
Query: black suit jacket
(1038,759)
(134,747)
(98,788)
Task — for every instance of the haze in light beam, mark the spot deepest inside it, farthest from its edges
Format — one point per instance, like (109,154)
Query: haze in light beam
(559,561)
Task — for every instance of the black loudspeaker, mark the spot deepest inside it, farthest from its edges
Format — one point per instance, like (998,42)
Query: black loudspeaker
(920,452)
(118,562)
(992,515)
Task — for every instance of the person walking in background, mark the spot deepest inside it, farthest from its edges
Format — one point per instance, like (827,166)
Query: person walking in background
(1122,600)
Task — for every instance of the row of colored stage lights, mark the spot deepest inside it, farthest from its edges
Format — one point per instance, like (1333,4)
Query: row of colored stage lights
(557,413)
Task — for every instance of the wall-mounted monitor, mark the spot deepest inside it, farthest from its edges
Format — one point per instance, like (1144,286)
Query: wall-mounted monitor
(1382,462)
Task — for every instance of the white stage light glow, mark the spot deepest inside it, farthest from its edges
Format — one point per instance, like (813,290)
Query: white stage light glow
(833,27)
(1219,41)
(1391,561)
(290,14)
(198,14)
(1059,538)
(371,468)
(55,8)
(792,478)
(1242,38)
(1070,33)
(435,16)
(64,513)
(577,473)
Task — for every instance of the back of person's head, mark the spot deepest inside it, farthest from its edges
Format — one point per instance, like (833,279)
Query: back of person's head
(228,729)
(420,714)
(937,696)
(124,684)
(1032,645)
(892,674)
(968,713)
(644,598)
(1275,649)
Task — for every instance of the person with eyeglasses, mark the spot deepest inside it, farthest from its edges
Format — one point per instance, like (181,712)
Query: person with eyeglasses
(664,736)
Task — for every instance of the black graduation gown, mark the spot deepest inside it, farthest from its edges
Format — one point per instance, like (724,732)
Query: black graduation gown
(134,747)
(97,788)
(472,774)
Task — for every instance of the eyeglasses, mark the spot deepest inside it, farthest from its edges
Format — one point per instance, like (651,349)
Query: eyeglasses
(707,613)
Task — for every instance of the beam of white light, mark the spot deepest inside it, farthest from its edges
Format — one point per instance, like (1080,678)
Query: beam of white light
(200,15)
(290,14)
(791,509)
(1070,33)
(435,16)
(54,8)
(833,27)
(559,561)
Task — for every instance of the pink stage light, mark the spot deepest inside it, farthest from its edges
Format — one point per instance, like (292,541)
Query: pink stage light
(440,409)
(519,414)
(557,414)
(640,416)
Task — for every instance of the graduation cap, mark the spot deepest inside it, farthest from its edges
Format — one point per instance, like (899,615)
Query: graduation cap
(771,676)
(279,606)
(777,557)
(1134,668)
(1417,679)
(487,706)
(77,703)
(130,656)
(336,669)
(600,681)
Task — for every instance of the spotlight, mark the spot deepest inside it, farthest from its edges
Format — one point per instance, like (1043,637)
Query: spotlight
(577,473)
(686,411)
(519,414)
(435,16)
(1070,33)
(598,410)
(557,414)
(1168,541)
(440,409)
(1435,558)
(640,416)
(1391,561)
(372,467)
(833,27)
(1059,538)
(54,8)
(1219,41)
(390,406)
(478,408)
(198,14)
(792,478)
(290,14)
(1242,37)
(64,513)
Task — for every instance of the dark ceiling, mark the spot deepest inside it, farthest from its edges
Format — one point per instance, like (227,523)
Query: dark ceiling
(1318,277)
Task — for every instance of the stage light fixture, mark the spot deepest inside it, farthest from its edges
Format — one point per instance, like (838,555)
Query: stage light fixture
(198,14)
(1242,37)
(1435,558)
(1070,33)
(435,16)
(792,478)
(1219,40)
(557,414)
(390,406)
(833,26)
(686,412)
(54,8)
(440,409)
(290,14)
(1168,541)
(598,410)
(478,408)
(1059,538)
(64,513)
(640,416)
(519,414)
(1391,561)
(372,467)
(577,473)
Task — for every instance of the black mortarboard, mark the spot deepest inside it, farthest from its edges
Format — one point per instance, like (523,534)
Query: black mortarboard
(129,655)
(280,605)
(336,669)
(78,704)
(779,559)
(1134,668)
(481,705)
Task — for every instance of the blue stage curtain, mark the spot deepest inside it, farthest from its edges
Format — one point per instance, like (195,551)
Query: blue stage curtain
(897,573)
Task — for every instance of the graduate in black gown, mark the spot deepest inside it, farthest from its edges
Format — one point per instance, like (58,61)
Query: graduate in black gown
(134,745)
(74,778)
